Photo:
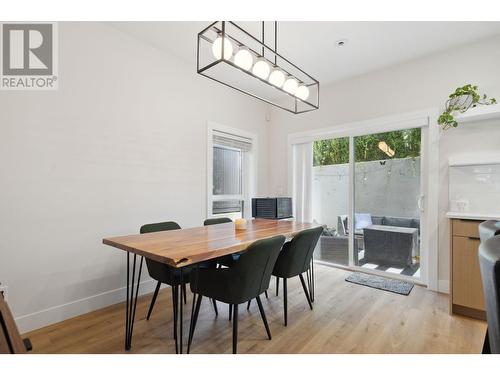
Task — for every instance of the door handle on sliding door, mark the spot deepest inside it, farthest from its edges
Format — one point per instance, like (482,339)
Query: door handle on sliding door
(420,202)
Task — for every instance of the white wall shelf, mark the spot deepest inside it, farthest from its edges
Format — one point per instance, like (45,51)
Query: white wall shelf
(483,112)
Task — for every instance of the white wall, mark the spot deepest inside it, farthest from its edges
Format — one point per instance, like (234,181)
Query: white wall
(416,85)
(121,143)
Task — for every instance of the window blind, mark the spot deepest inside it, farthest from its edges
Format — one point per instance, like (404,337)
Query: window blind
(231,140)
(227,171)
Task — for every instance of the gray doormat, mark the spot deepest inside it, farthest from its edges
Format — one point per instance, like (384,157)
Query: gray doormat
(382,283)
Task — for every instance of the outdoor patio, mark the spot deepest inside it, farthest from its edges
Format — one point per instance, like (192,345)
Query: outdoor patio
(387,224)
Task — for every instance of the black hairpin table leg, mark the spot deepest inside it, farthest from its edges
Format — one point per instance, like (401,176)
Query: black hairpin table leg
(131,304)
(181,286)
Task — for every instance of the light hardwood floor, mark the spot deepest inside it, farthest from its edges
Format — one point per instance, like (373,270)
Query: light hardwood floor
(347,318)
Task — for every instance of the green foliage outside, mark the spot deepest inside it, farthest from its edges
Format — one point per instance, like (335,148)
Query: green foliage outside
(404,143)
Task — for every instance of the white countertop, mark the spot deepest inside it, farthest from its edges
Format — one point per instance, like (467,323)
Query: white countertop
(472,216)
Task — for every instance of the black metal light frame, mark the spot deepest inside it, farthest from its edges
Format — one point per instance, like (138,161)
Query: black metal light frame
(222,33)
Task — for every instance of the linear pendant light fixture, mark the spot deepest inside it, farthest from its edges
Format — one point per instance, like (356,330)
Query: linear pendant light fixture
(228,54)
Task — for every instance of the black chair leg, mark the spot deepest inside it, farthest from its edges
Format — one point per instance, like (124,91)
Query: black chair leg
(174,305)
(194,319)
(266,294)
(153,300)
(263,315)
(248,304)
(235,328)
(308,276)
(230,311)
(277,285)
(313,286)
(285,297)
(305,291)
(215,307)
(486,344)
(184,292)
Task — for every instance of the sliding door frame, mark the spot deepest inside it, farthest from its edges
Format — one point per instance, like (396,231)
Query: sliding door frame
(427,121)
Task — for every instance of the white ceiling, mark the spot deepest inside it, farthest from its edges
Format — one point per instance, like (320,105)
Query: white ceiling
(311,45)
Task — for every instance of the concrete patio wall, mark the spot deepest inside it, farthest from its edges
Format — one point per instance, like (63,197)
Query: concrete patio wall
(391,188)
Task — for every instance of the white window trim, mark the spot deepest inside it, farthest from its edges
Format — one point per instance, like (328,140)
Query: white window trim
(249,174)
(427,120)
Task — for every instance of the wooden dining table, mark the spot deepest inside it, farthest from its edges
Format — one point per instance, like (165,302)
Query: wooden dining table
(185,247)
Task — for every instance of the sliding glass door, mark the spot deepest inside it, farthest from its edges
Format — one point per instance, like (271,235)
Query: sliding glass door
(366,191)
(330,198)
(387,193)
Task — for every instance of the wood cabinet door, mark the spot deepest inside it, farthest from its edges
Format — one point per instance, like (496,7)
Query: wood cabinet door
(465,228)
(467,285)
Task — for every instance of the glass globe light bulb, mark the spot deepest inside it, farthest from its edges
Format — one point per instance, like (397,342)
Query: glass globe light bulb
(291,85)
(261,68)
(217,48)
(302,92)
(277,77)
(243,58)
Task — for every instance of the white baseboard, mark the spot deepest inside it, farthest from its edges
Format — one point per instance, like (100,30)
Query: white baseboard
(68,310)
(444,286)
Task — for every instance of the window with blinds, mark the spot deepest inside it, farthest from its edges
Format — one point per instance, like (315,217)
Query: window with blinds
(227,171)
(229,168)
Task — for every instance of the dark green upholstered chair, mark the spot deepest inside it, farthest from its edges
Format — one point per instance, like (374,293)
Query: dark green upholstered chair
(217,220)
(225,260)
(160,272)
(228,259)
(164,274)
(489,262)
(248,278)
(295,259)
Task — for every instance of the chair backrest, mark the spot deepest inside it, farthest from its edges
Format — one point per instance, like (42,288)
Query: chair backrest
(251,273)
(296,256)
(156,269)
(217,220)
(489,261)
(158,227)
(488,229)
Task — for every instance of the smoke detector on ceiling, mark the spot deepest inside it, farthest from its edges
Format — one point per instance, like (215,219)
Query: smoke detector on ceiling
(341,42)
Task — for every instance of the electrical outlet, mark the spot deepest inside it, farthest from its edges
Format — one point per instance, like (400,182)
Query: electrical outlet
(4,290)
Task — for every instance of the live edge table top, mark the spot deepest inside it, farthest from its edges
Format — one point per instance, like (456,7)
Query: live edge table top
(182,247)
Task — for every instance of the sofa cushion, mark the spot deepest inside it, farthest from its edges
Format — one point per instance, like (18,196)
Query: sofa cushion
(362,220)
(398,221)
(329,232)
(378,220)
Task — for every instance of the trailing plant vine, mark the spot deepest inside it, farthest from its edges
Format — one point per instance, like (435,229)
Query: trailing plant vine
(460,101)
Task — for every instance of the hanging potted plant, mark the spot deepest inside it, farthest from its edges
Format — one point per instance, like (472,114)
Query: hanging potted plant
(459,102)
